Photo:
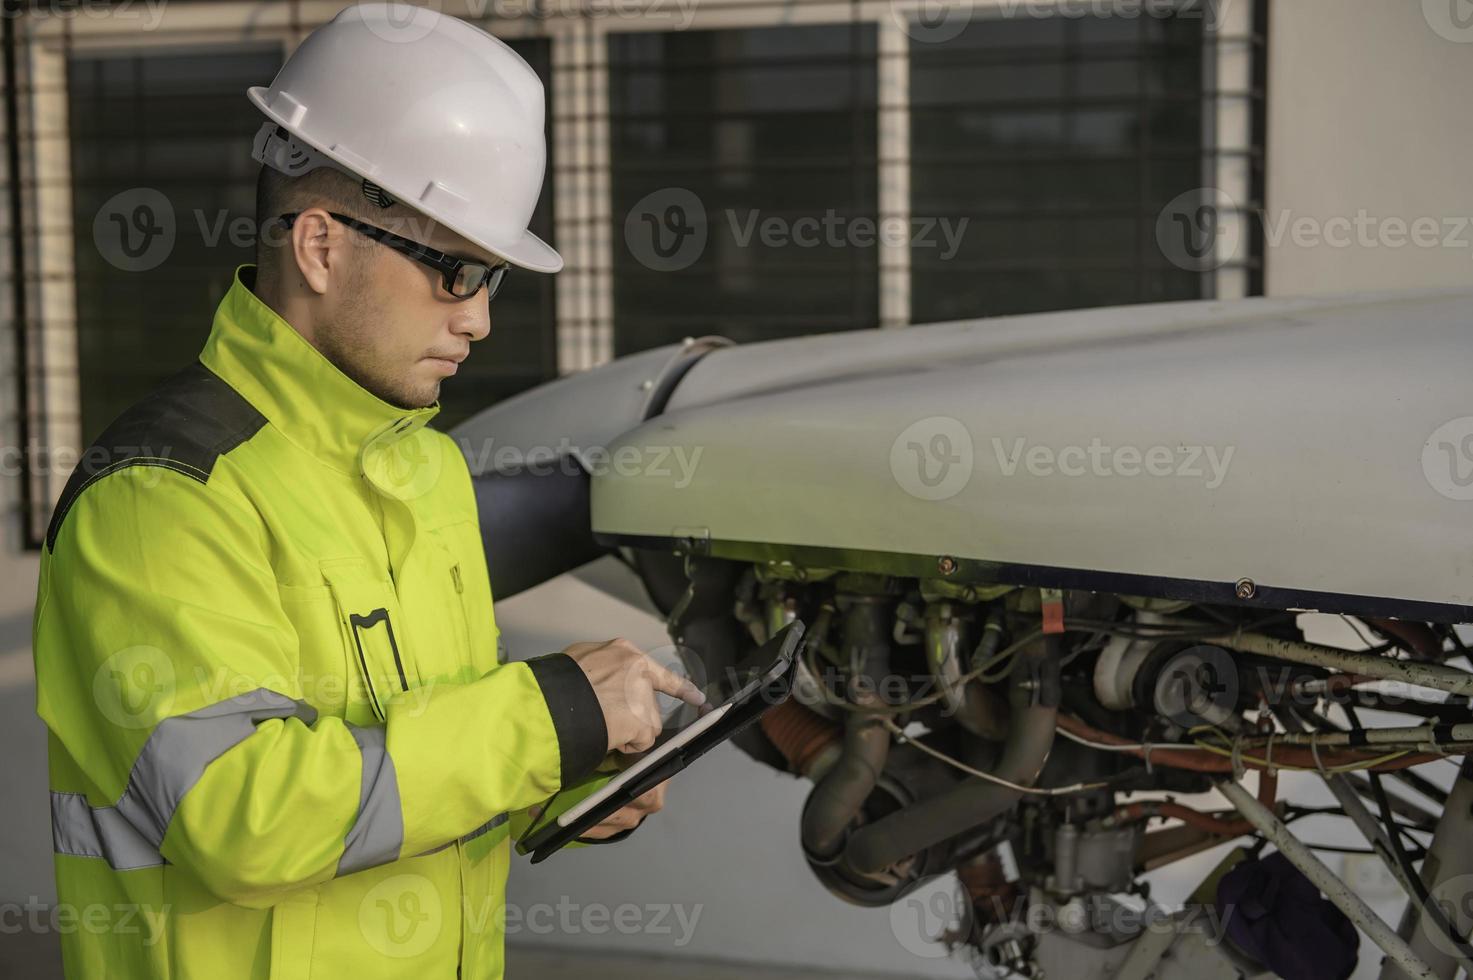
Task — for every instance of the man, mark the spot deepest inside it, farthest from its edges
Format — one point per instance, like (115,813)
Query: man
(281,740)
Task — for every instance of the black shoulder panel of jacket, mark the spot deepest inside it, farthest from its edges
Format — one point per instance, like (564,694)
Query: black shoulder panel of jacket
(184,425)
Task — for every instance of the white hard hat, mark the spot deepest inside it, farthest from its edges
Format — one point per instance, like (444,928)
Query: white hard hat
(438,114)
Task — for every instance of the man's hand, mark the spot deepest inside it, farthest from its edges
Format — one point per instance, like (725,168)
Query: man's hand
(626,680)
(621,819)
(629,816)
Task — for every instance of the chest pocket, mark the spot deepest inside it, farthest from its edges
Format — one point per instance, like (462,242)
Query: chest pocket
(378,651)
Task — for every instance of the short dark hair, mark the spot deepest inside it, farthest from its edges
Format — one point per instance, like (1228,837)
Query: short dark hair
(278,194)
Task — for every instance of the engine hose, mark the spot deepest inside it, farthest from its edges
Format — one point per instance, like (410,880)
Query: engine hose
(799,733)
(1212,823)
(1034,697)
(1197,761)
(976,708)
(842,790)
(1416,638)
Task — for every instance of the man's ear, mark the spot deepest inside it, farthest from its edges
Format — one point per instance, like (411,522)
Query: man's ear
(317,248)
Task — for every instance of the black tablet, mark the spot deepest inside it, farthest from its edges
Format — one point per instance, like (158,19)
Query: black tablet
(769,688)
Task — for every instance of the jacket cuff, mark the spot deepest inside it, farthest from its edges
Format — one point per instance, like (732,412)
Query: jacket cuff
(582,736)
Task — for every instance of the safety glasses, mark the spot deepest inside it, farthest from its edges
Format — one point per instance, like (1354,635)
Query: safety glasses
(462,278)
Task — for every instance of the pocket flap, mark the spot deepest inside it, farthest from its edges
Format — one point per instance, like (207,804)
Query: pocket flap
(369,611)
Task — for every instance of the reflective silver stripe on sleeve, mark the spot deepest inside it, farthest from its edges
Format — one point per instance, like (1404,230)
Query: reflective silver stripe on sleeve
(177,752)
(491,824)
(378,832)
(79,830)
(130,833)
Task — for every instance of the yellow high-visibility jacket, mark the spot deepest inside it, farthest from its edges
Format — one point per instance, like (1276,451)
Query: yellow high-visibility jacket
(282,743)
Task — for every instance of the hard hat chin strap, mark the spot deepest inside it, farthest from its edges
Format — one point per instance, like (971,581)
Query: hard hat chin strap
(278,149)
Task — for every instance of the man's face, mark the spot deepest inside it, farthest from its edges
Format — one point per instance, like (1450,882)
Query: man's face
(390,324)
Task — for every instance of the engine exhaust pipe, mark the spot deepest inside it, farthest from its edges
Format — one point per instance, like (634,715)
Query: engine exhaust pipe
(976,708)
(1034,696)
(842,790)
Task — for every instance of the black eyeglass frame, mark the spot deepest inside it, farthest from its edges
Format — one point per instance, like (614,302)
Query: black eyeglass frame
(450,267)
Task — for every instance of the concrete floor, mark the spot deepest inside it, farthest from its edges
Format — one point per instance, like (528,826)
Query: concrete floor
(30,955)
(36,957)
(528,961)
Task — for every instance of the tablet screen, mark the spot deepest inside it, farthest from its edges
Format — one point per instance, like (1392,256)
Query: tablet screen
(679,740)
(572,814)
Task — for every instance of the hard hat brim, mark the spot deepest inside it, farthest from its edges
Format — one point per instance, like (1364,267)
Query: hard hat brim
(526,252)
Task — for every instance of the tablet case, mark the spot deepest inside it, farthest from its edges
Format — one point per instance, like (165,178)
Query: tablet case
(771,687)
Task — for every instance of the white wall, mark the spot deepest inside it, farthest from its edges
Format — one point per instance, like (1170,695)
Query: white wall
(1368,115)
(25,835)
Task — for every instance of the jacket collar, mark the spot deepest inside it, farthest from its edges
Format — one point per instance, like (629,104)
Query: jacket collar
(303,394)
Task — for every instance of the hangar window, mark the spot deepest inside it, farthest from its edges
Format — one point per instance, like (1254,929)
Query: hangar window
(163,194)
(1086,157)
(743,169)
